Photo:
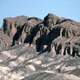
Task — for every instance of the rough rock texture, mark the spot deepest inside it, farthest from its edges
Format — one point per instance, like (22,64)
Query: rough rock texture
(18,27)
(46,49)
(64,35)
(24,63)
(4,41)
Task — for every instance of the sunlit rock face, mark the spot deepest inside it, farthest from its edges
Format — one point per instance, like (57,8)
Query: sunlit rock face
(24,63)
(35,49)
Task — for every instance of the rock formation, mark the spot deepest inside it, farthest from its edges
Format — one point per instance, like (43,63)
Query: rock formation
(53,31)
(16,27)
(36,49)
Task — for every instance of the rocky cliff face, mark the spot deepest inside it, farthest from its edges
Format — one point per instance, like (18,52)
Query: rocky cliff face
(18,27)
(35,49)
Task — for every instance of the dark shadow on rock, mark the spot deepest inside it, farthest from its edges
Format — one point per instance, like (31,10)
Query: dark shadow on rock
(4,26)
(30,37)
(47,39)
(17,35)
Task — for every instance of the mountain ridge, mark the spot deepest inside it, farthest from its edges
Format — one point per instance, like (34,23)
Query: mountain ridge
(40,49)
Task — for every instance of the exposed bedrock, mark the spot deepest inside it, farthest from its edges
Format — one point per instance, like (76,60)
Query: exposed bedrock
(61,33)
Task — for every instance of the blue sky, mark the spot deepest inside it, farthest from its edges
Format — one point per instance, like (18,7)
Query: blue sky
(40,8)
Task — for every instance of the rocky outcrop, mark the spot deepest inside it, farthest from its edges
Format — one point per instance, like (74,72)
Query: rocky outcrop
(17,28)
(35,49)
(10,24)
(58,32)
(63,35)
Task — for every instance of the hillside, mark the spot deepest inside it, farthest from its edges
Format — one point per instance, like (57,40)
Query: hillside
(36,49)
